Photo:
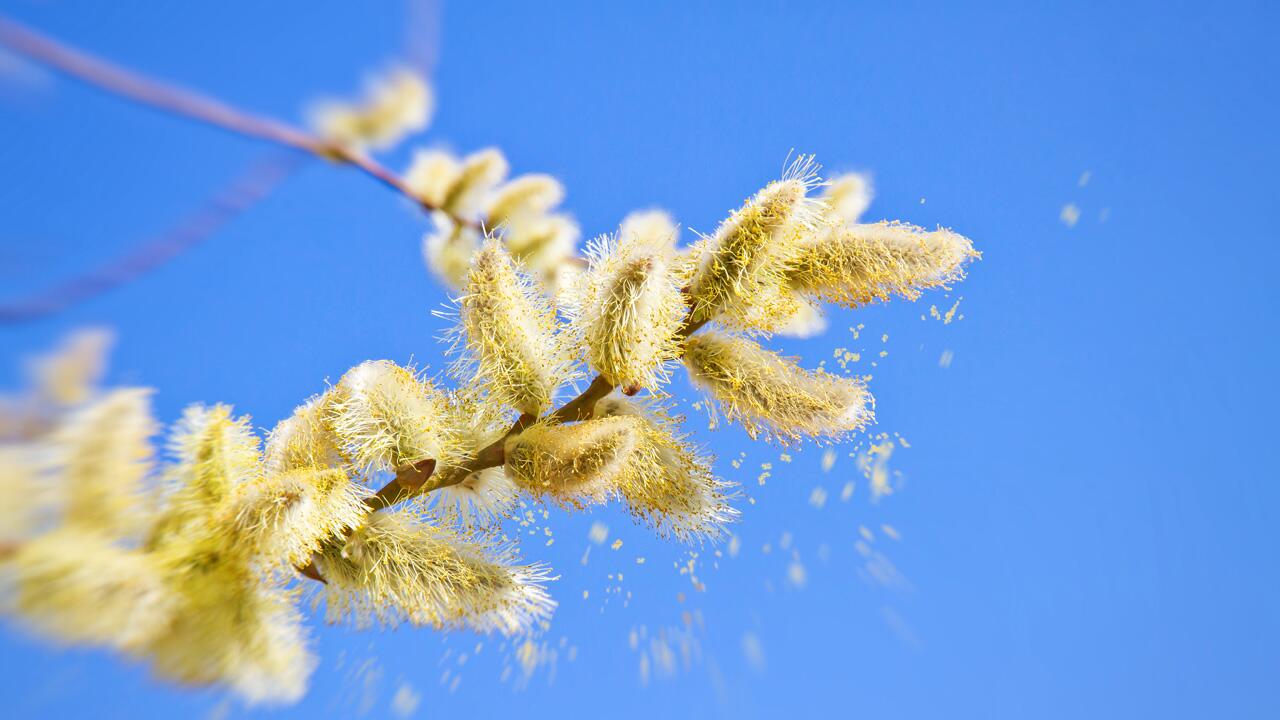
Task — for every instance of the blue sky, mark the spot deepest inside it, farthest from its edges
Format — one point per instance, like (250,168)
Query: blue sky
(1087,511)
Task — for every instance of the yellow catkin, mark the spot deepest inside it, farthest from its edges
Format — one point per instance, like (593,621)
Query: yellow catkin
(861,264)
(650,226)
(231,624)
(102,453)
(388,417)
(848,196)
(430,174)
(396,104)
(448,248)
(541,243)
(488,495)
(69,375)
(281,519)
(480,172)
(76,586)
(573,465)
(739,272)
(669,484)
(509,333)
(527,196)
(26,497)
(305,439)
(216,454)
(770,395)
(632,311)
(806,321)
(398,568)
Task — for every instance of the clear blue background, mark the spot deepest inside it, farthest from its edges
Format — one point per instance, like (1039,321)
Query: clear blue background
(1088,516)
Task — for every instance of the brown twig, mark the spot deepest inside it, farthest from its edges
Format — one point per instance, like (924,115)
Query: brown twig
(421,478)
(412,482)
(252,186)
(103,75)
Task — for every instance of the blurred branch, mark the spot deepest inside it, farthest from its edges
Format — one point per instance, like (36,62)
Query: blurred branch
(250,187)
(114,79)
(124,83)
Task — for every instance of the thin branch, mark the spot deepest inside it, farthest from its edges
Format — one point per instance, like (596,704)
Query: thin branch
(252,186)
(103,75)
(412,482)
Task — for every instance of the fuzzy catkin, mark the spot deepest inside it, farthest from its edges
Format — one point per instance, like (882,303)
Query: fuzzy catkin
(395,104)
(573,465)
(399,568)
(103,453)
(509,331)
(650,226)
(669,484)
(740,272)
(632,312)
(527,196)
(77,586)
(848,196)
(770,395)
(479,173)
(281,519)
(305,439)
(861,264)
(488,495)
(231,624)
(216,453)
(388,417)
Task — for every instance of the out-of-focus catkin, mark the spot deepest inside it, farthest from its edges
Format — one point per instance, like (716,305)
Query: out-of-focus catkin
(632,311)
(395,104)
(456,187)
(772,396)
(448,248)
(527,196)
(861,264)
(650,226)
(848,196)
(69,375)
(103,453)
(216,453)
(510,333)
(542,243)
(231,624)
(77,586)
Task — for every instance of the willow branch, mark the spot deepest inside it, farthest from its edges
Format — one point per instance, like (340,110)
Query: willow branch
(258,181)
(103,75)
(408,484)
